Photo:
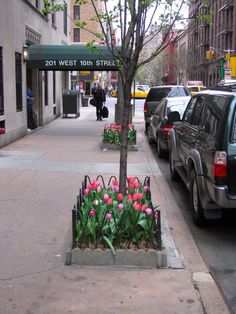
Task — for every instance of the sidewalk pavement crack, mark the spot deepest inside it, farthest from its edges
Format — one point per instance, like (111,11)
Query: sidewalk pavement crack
(30,274)
(203,309)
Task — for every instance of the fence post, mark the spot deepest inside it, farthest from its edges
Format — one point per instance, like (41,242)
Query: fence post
(74,219)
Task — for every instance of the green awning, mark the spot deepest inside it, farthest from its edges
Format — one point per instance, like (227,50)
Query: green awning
(68,58)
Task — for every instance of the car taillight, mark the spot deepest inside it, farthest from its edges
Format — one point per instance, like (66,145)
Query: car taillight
(145,108)
(220,164)
(167,128)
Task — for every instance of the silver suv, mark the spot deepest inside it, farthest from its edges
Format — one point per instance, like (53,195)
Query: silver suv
(156,94)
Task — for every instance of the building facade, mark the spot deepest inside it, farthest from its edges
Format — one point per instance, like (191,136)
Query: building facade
(211,27)
(22,23)
(85,79)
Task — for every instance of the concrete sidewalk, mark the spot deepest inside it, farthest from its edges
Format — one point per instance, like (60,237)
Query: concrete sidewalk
(40,178)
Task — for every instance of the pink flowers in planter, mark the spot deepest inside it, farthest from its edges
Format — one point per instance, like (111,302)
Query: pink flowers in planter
(109,217)
(135,198)
(112,134)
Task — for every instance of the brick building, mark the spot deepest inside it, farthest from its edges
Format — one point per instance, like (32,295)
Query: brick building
(218,33)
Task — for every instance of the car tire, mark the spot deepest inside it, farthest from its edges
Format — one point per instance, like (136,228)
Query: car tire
(173,173)
(160,152)
(196,207)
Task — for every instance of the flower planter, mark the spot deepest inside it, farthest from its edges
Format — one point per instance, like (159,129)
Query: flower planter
(109,228)
(112,137)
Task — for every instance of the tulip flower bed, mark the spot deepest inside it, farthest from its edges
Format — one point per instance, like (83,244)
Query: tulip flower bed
(112,134)
(106,219)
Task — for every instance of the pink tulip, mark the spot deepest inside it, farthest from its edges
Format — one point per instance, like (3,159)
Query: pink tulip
(131,179)
(121,206)
(105,197)
(144,207)
(108,216)
(131,186)
(110,201)
(156,216)
(146,188)
(136,185)
(116,189)
(137,206)
(135,197)
(115,182)
(91,186)
(120,197)
(140,196)
(148,211)
(86,191)
(129,197)
(92,212)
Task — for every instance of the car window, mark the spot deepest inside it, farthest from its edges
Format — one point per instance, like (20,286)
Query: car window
(233,135)
(214,109)
(161,108)
(157,94)
(194,89)
(178,91)
(189,110)
(180,107)
(198,107)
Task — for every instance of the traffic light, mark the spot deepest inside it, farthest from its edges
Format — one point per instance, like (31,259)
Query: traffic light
(208,54)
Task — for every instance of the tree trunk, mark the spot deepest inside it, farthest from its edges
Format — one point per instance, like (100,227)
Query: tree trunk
(120,101)
(124,137)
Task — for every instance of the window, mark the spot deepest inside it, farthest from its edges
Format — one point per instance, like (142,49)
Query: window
(18,67)
(1,84)
(65,18)
(76,12)
(45,88)
(197,111)
(189,111)
(76,35)
(54,86)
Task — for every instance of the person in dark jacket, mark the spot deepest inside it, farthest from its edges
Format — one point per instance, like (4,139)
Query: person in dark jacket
(30,118)
(100,96)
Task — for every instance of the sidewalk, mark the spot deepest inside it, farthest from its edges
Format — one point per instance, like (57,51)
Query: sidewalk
(40,178)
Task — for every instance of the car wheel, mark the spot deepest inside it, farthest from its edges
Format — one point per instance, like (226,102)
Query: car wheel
(160,152)
(173,173)
(197,209)
(149,134)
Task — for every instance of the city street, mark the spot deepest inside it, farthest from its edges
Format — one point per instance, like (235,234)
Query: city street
(40,177)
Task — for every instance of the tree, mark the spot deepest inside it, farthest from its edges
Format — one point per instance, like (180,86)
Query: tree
(139,22)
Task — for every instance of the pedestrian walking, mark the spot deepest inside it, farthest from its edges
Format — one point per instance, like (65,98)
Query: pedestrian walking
(100,97)
(30,118)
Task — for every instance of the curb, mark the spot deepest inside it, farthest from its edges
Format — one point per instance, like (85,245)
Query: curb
(107,146)
(123,258)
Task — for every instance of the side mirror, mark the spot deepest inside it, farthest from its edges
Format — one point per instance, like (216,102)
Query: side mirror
(173,116)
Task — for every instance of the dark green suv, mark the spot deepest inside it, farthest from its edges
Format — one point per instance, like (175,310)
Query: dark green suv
(202,152)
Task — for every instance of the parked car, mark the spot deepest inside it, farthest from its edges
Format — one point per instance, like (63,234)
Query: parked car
(160,126)
(229,85)
(141,91)
(195,89)
(156,94)
(202,152)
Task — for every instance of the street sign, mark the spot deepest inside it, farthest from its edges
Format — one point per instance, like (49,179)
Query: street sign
(227,74)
